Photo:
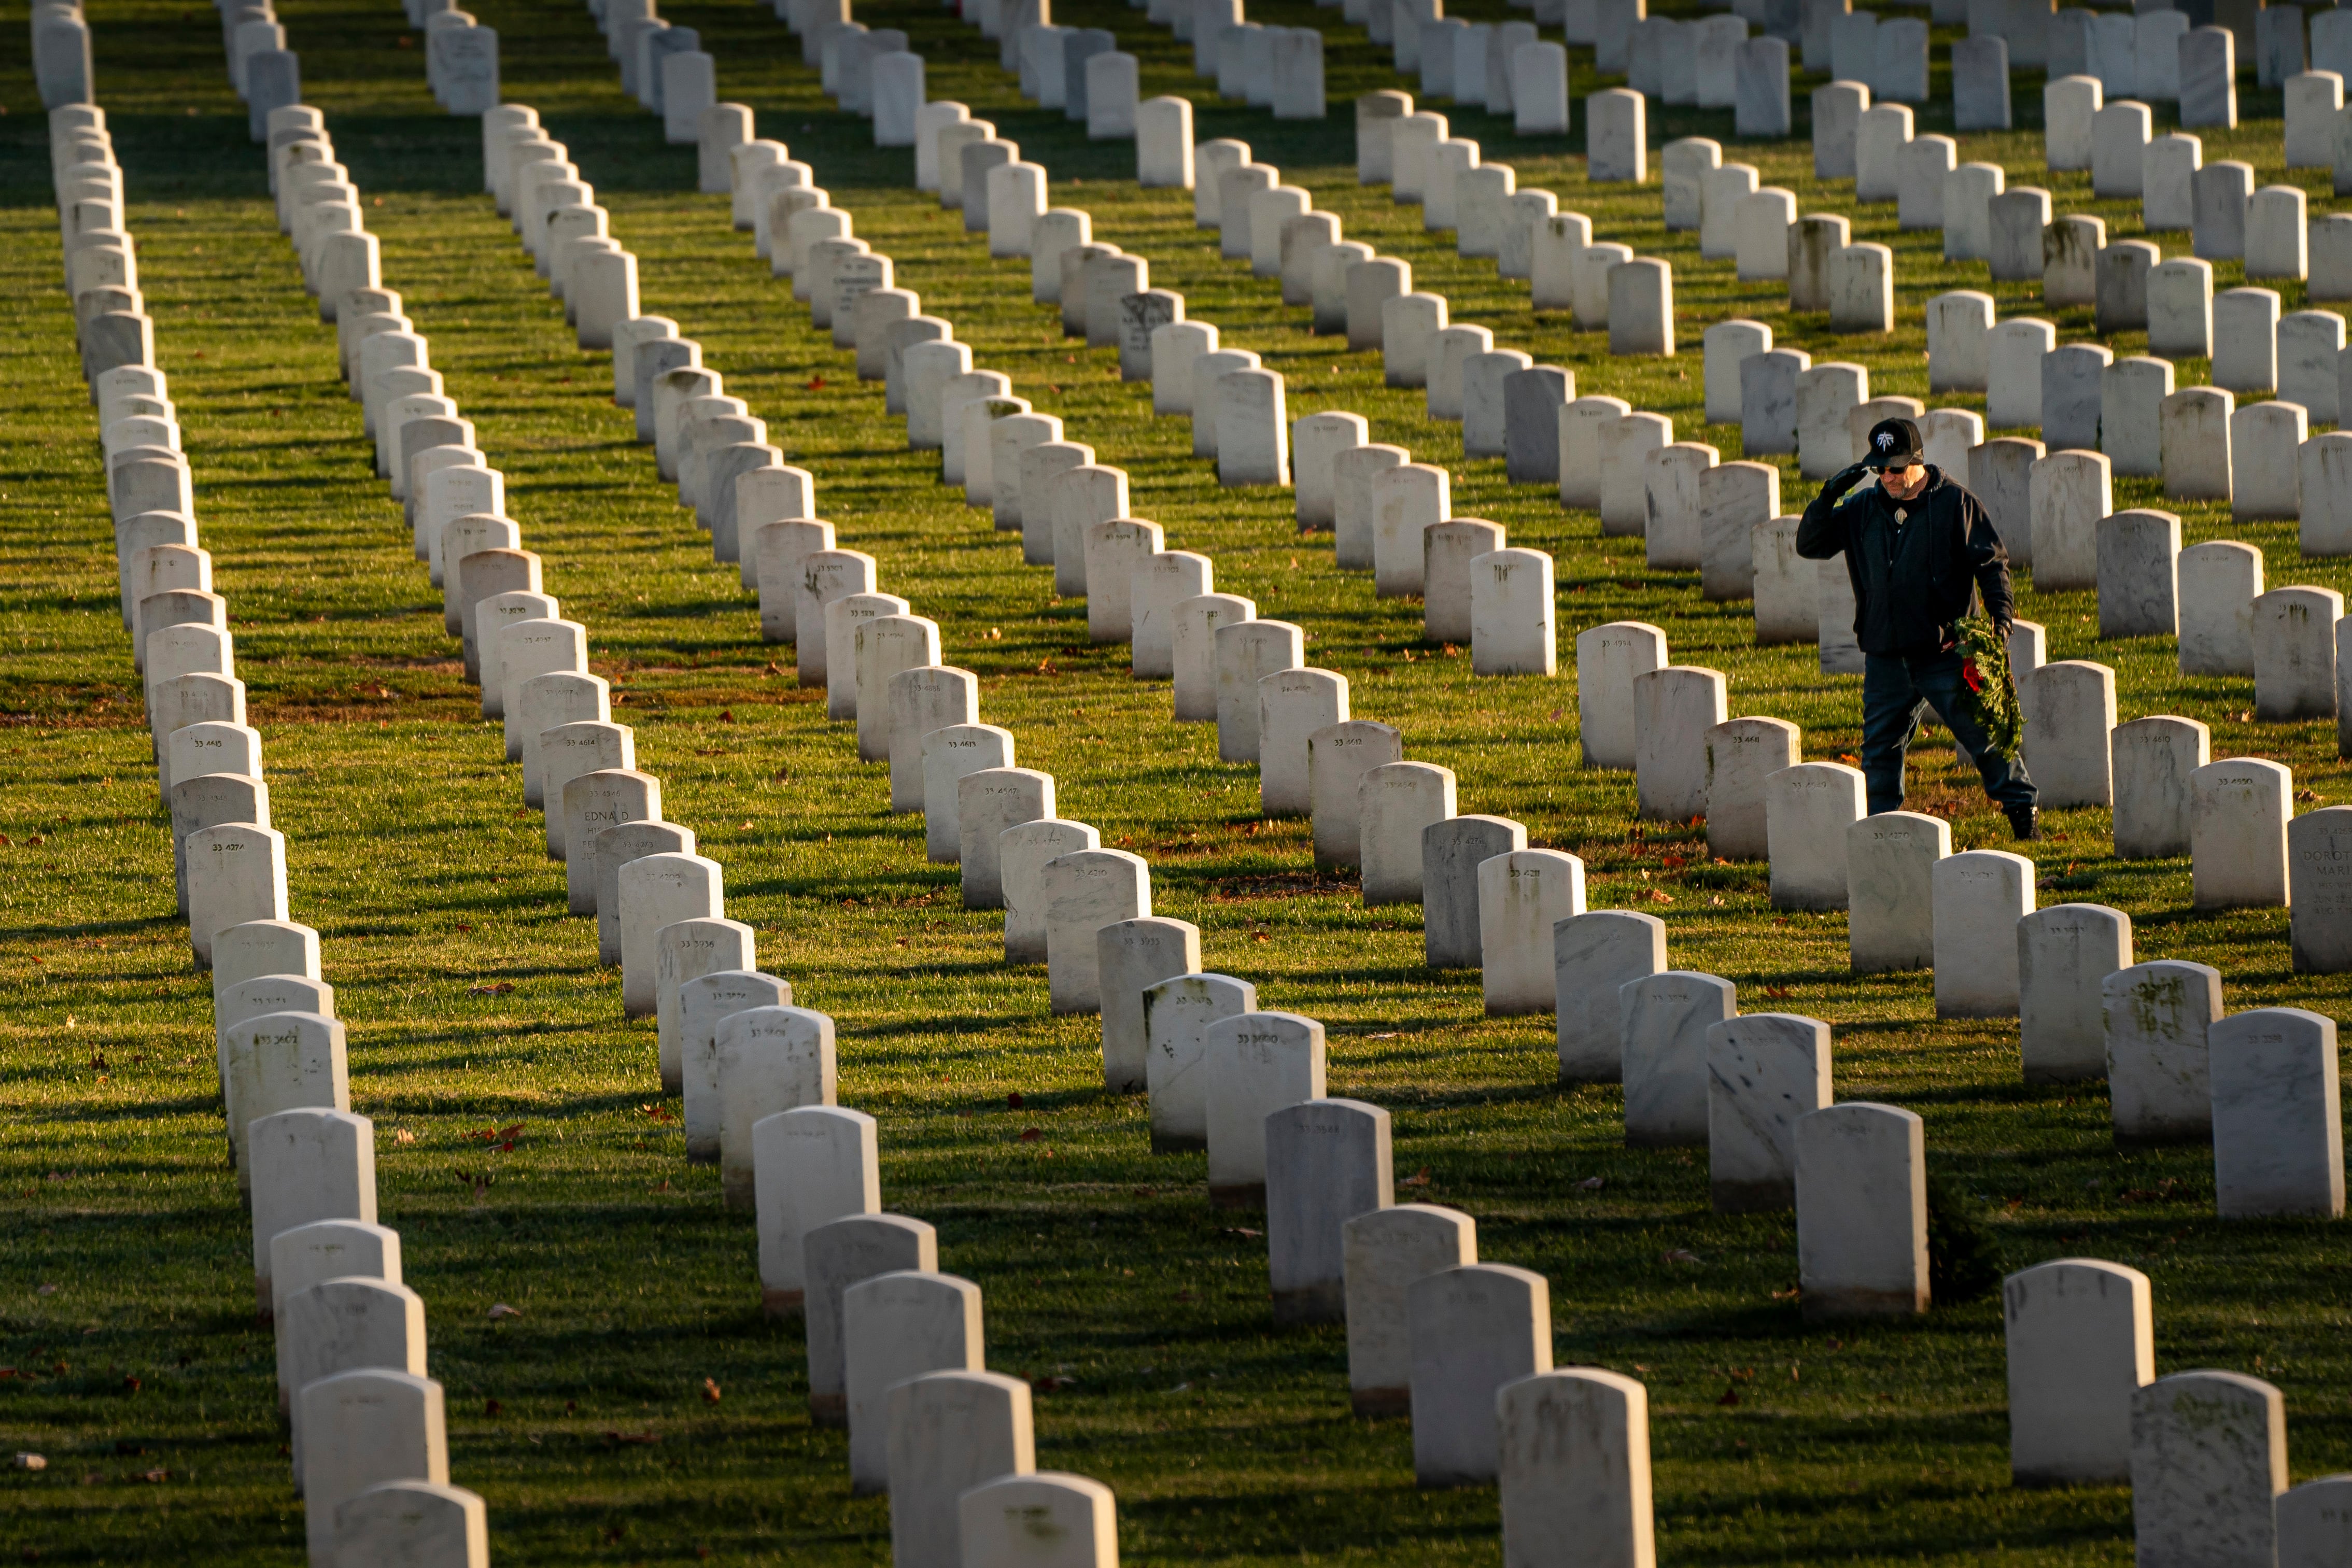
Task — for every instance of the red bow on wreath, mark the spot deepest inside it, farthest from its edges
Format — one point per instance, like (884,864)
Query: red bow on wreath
(1968,674)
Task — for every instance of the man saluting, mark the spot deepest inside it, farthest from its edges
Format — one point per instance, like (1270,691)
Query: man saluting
(1921,552)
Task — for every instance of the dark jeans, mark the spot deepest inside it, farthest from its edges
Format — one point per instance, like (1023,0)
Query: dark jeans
(1895,688)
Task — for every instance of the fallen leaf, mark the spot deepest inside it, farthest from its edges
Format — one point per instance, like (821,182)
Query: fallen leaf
(1419,1178)
(816,383)
(638,1437)
(403,1136)
(710,1391)
(1049,1384)
(1730,1396)
(1779,993)
(491,1407)
(500,1309)
(32,1462)
(500,989)
(1681,1255)
(1031,1134)
(156,1477)
(1592,1183)
(1788,1295)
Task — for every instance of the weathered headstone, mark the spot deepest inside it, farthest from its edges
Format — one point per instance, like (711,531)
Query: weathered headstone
(1522,895)
(2207,1456)
(1327,1162)
(653,892)
(949,1432)
(1473,1330)
(2294,652)
(363,1429)
(1764,1072)
(837,1256)
(1386,1250)
(1594,956)
(1256,1063)
(1673,709)
(1663,1019)
(308,1164)
(1177,1012)
(2278,1136)
(811,1164)
(1861,1212)
(1023,852)
(1890,865)
(1048,1520)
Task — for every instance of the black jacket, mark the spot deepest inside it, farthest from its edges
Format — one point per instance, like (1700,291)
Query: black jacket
(1913,580)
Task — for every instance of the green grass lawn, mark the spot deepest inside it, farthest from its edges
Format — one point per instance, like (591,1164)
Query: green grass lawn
(124,1308)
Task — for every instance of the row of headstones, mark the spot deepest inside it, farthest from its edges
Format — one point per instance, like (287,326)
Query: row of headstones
(1658,478)
(1502,67)
(1466,1331)
(663,66)
(755,1071)
(2254,347)
(1312,759)
(2097,766)
(375,1474)
(728,1031)
(1083,72)
(2102,749)
(264,73)
(2203,1451)
(2234,818)
(1333,776)
(461,55)
(2066,973)
(945,762)
(2126,569)
(1911,904)
(2227,217)
(1105,290)
(531,663)
(766,1058)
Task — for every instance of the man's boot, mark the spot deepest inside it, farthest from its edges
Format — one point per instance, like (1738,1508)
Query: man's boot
(2021,821)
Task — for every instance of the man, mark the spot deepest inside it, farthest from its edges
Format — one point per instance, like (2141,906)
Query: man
(1920,550)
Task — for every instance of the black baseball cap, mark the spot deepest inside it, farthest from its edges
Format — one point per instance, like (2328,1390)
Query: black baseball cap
(1894,443)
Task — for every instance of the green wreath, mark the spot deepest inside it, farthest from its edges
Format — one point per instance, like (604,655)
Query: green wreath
(1991,690)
